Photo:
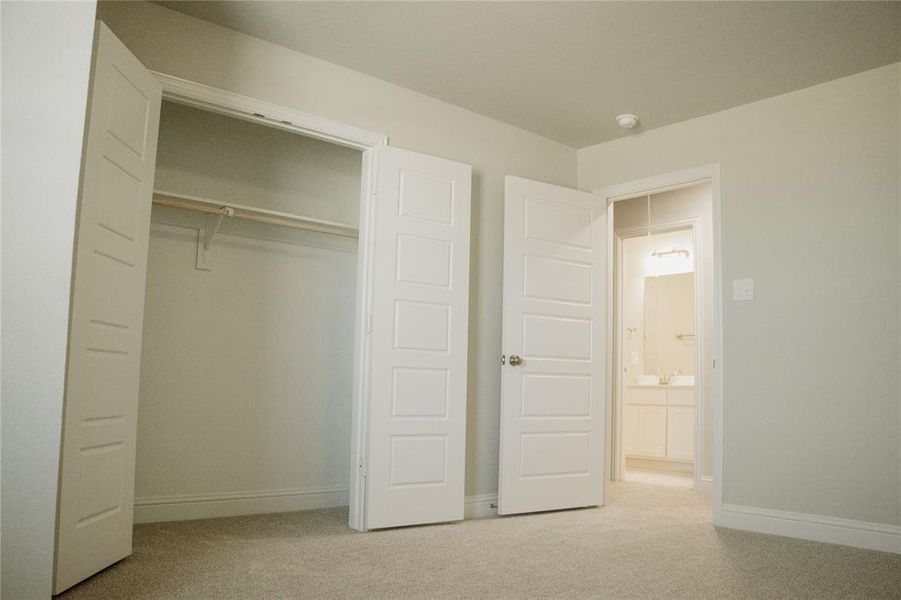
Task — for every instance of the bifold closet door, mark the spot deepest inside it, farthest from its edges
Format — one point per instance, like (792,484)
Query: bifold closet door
(96,493)
(419,323)
(554,337)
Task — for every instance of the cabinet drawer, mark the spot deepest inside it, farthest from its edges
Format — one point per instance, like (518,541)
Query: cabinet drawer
(644,396)
(677,397)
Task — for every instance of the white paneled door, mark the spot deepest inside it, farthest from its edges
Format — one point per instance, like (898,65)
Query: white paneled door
(554,325)
(420,308)
(99,429)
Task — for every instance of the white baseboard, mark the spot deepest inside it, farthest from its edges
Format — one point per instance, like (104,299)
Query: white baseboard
(207,506)
(848,532)
(482,506)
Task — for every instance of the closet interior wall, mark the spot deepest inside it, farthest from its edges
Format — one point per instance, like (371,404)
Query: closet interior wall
(246,375)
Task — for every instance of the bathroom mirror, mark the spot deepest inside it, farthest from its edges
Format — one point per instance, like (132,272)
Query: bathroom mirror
(669,324)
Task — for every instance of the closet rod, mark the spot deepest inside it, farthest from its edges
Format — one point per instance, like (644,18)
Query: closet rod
(253,214)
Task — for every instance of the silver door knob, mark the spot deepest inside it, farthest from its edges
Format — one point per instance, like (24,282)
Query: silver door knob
(515,360)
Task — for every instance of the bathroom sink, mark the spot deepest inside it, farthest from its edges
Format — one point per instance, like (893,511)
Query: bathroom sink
(682,380)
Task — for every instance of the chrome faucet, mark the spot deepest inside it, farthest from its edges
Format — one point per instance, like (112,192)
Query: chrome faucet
(665,379)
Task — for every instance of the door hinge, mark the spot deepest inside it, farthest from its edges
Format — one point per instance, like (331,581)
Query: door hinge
(368,322)
(362,467)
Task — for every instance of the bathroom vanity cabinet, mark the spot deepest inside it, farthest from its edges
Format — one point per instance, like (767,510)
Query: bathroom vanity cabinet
(659,422)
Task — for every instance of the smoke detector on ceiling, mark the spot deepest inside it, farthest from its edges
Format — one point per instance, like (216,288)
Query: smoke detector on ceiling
(627,121)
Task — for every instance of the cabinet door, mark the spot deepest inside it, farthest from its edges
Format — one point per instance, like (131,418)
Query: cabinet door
(680,443)
(652,431)
(630,429)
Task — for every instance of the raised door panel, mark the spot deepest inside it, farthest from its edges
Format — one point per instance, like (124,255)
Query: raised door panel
(419,341)
(680,443)
(96,493)
(652,431)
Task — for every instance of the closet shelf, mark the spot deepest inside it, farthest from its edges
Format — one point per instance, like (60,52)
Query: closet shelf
(250,213)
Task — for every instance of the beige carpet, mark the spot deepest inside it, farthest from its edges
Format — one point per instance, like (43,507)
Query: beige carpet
(650,542)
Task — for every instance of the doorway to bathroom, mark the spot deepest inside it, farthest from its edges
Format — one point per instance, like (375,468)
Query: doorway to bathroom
(662,418)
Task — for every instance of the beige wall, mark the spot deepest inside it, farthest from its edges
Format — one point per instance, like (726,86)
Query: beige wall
(246,369)
(173,43)
(46,66)
(810,211)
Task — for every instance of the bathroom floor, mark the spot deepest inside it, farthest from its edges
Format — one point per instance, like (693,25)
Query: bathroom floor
(670,478)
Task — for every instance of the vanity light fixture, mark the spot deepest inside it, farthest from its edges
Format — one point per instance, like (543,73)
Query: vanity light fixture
(662,253)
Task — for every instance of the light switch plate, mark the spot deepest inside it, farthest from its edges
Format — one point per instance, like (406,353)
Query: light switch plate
(742,289)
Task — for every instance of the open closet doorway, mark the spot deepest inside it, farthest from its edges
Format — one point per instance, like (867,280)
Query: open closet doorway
(664,337)
(247,356)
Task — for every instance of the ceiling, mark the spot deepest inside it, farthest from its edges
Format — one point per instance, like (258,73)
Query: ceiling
(564,70)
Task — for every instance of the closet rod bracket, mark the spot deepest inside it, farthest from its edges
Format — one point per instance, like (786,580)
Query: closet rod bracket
(211,223)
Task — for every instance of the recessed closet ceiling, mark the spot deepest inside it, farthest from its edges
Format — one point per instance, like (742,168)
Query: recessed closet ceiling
(564,70)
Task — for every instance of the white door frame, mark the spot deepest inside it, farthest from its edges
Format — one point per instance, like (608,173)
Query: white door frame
(651,185)
(618,458)
(202,96)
